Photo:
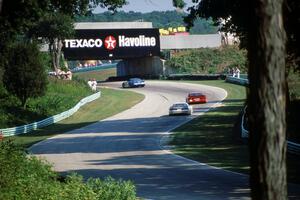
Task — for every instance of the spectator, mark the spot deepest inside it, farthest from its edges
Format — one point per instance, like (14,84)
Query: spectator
(233,72)
(69,75)
(237,71)
(90,83)
(94,85)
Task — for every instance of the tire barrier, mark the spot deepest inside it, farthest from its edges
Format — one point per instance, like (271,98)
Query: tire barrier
(50,120)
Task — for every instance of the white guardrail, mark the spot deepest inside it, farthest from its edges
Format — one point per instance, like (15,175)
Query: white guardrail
(292,147)
(239,81)
(50,120)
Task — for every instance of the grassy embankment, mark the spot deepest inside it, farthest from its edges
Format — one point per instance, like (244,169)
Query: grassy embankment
(23,177)
(111,102)
(210,138)
(61,96)
(99,75)
(213,138)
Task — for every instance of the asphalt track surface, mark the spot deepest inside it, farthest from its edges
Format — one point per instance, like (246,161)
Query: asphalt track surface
(129,145)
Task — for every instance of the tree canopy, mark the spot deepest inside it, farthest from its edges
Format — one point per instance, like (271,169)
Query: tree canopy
(234,16)
(25,75)
(261,25)
(159,19)
(18,17)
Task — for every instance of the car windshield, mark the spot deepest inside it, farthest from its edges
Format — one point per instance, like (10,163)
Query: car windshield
(195,94)
(180,105)
(135,79)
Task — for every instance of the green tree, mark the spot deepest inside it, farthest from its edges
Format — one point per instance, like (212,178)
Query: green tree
(237,17)
(53,28)
(24,75)
(178,3)
(58,22)
(259,24)
(159,19)
(18,17)
(267,101)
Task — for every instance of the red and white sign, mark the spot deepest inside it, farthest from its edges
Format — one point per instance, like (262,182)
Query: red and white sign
(110,42)
(95,44)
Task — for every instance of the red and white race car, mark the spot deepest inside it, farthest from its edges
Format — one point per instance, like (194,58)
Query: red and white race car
(196,97)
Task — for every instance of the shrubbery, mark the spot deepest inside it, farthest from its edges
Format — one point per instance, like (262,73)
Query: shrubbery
(25,75)
(208,60)
(26,177)
(60,96)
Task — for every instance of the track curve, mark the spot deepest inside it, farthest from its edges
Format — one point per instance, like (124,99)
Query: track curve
(127,146)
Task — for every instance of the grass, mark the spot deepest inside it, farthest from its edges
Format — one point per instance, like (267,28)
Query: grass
(111,102)
(214,137)
(294,107)
(210,138)
(60,96)
(99,75)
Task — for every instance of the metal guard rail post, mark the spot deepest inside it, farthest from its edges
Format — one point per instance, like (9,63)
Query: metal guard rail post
(50,120)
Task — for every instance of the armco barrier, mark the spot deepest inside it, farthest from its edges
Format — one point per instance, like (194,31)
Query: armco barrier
(292,147)
(245,132)
(50,120)
(101,67)
(235,80)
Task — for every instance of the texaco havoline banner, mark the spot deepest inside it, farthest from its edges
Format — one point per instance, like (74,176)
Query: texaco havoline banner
(96,44)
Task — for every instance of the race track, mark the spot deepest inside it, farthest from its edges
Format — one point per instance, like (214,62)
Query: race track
(128,146)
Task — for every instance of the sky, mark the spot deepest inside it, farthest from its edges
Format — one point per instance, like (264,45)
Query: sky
(147,6)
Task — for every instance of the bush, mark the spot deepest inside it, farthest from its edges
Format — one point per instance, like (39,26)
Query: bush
(60,96)
(110,188)
(23,177)
(208,60)
(26,177)
(25,76)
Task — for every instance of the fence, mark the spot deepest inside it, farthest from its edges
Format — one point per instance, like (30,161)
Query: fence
(239,81)
(292,147)
(50,120)
(101,67)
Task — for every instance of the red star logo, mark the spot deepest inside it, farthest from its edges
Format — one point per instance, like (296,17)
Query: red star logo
(110,42)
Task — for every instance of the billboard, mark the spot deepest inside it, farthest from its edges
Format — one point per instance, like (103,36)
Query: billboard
(96,44)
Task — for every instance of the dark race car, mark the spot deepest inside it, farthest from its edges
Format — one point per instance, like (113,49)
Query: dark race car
(133,82)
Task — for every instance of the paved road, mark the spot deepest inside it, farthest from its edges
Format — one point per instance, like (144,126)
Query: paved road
(128,146)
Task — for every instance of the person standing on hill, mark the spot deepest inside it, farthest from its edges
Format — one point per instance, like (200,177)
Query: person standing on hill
(237,72)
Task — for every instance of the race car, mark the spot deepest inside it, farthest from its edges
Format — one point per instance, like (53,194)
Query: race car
(196,97)
(133,82)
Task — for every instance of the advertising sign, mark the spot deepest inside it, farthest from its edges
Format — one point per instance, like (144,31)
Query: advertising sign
(96,44)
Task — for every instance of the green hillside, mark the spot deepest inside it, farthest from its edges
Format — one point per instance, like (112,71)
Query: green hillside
(208,60)
(163,19)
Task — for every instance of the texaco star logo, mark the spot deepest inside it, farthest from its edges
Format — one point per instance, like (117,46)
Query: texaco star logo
(110,42)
